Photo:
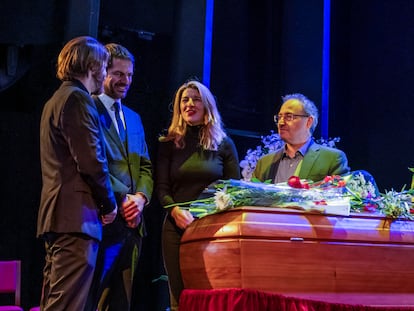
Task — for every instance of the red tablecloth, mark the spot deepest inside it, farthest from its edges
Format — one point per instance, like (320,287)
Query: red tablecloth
(239,299)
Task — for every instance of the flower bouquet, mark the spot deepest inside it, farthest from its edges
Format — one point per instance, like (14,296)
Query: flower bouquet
(226,194)
(337,195)
(358,187)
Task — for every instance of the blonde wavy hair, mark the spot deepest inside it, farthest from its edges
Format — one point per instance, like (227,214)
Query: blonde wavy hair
(212,132)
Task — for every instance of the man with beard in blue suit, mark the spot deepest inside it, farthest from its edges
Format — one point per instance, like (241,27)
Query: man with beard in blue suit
(130,170)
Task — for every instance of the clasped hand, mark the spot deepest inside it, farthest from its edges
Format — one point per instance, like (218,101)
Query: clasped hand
(110,217)
(131,209)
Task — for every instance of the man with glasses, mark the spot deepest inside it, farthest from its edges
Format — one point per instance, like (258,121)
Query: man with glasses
(300,156)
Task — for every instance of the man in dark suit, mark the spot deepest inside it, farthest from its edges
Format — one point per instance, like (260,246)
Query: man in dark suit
(300,156)
(131,178)
(76,194)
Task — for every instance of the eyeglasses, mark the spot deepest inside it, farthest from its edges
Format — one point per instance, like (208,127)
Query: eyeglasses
(288,117)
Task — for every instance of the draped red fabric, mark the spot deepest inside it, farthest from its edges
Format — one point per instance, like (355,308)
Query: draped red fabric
(241,299)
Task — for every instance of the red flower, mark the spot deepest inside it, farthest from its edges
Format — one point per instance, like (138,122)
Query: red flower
(328,179)
(369,207)
(294,182)
(305,185)
(341,183)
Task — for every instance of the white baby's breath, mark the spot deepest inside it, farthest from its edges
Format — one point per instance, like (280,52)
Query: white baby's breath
(365,188)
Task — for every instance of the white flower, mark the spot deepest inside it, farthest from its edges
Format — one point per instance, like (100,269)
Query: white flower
(223,200)
(246,172)
(365,188)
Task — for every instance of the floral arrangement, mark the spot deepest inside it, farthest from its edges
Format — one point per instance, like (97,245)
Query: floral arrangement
(226,194)
(361,189)
(356,192)
(270,143)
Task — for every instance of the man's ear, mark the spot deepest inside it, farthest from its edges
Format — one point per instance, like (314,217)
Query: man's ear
(309,122)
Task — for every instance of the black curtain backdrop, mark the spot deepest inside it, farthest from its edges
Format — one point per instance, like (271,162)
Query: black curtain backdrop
(261,51)
(372,76)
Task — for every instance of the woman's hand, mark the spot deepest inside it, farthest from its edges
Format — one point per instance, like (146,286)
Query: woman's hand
(183,218)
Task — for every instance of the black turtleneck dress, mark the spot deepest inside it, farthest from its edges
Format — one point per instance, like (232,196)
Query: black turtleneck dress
(182,175)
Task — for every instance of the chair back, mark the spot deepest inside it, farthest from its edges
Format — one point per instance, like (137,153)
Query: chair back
(10,276)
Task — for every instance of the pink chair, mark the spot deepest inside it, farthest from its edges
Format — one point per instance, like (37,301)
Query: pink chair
(10,276)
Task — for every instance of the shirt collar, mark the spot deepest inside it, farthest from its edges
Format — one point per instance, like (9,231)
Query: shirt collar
(302,150)
(107,101)
(305,147)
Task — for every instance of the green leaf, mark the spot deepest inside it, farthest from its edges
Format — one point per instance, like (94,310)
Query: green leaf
(254,179)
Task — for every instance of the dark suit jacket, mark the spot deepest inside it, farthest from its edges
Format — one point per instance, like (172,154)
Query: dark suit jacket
(76,185)
(129,165)
(318,162)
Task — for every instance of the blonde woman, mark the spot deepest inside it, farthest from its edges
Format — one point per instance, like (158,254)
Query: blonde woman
(194,153)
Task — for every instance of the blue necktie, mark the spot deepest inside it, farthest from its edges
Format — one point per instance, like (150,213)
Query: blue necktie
(121,127)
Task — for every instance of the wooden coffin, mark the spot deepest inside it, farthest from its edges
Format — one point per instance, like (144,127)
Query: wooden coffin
(357,259)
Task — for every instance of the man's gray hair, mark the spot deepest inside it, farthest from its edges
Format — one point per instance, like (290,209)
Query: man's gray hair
(308,107)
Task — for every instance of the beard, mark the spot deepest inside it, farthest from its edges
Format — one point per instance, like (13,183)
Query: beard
(118,91)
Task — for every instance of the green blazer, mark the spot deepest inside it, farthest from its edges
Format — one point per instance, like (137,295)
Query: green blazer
(318,162)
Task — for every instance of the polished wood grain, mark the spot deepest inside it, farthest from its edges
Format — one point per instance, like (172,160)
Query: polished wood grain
(365,259)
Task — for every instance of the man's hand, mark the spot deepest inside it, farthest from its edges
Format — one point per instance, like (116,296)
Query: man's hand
(132,208)
(110,217)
